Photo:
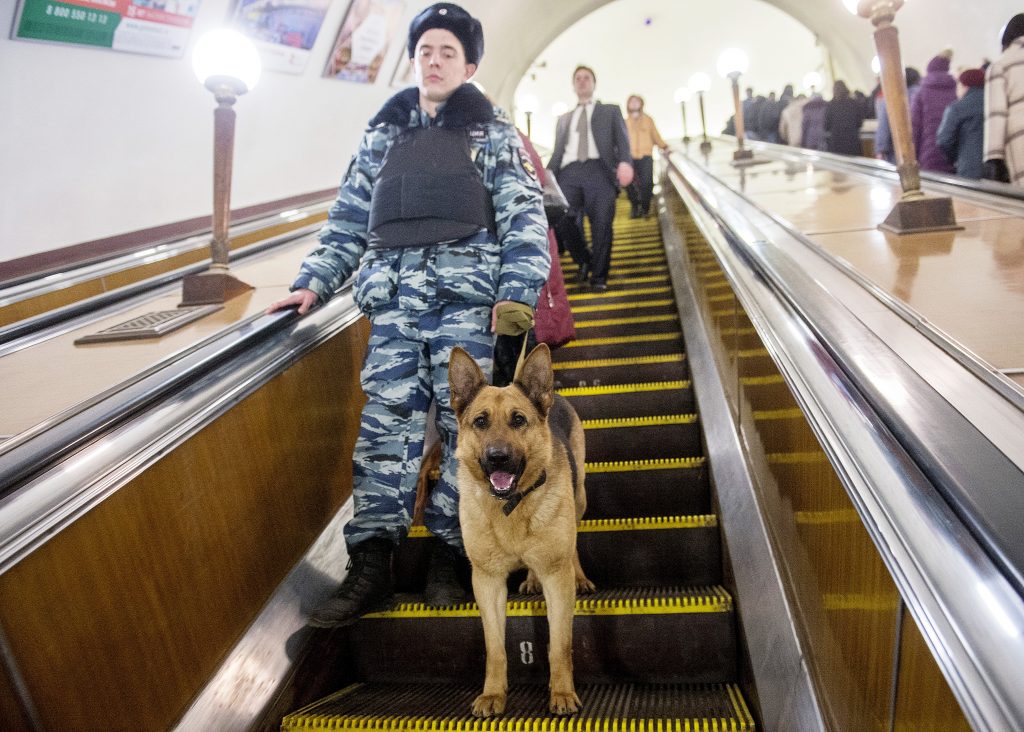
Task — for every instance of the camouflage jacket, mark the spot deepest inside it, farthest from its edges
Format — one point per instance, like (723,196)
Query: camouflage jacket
(480,269)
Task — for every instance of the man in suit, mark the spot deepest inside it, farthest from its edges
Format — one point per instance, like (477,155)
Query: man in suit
(591,160)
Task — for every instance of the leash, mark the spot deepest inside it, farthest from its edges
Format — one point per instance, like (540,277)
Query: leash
(512,502)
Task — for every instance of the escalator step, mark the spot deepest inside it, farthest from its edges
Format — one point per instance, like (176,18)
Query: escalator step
(621,370)
(626,325)
(664,635)
(643,488)
(631,400)
(633,294)
(646,307)
(647,344)
(618,552)
(445,708)
(643,438)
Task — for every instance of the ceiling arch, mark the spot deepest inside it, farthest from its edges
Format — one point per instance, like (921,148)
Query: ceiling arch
(526,27)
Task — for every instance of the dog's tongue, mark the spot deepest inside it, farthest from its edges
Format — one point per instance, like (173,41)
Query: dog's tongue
(502,481)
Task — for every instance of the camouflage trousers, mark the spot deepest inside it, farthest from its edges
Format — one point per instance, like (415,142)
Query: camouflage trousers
(406,367)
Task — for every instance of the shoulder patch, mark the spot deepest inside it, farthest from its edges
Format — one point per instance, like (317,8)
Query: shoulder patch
(524,160)
(478,134)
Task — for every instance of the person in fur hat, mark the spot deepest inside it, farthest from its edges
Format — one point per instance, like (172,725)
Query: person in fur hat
(441,218)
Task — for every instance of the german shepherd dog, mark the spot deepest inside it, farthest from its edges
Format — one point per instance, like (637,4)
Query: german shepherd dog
(521,465)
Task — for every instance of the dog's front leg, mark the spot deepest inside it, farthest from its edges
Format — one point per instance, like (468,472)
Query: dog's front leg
(491,593)
(560,596)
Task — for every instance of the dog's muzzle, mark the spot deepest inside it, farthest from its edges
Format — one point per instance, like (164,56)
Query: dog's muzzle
(502,470)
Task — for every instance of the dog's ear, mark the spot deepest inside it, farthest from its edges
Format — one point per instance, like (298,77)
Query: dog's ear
(537,380)
(465,379)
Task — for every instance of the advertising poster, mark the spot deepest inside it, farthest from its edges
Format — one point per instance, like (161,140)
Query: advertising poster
(153,27)
(284,32)
(362,44)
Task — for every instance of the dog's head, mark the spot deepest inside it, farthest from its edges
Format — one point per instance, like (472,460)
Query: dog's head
(503,434)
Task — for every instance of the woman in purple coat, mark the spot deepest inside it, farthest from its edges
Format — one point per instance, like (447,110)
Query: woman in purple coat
(938,91)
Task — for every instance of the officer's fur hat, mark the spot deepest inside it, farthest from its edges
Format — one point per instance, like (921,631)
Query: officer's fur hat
(450,17)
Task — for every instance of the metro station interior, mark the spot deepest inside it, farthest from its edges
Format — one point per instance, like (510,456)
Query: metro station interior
(802,388)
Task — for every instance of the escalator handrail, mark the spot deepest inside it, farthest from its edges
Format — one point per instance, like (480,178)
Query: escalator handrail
(983,191)
(937,563)
(85,459)
(40,283)
(25,329)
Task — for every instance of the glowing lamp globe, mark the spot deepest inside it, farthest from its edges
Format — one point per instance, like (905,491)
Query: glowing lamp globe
(699,82)
(682,94)
(226,56)
(733,61)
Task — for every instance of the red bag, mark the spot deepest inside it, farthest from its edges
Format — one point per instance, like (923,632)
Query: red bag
(553,323)
(552,319)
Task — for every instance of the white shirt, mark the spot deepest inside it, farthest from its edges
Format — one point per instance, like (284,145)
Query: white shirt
(573,142)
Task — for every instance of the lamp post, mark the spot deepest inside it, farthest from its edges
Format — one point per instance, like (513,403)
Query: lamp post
(226,63)
(529,104)
(681,95)
(700,83)
(732,63)
(915,212)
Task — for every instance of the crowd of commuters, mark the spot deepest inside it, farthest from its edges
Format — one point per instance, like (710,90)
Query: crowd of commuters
(970,124)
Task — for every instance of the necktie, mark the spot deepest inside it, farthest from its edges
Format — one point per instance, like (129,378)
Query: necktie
(583,148)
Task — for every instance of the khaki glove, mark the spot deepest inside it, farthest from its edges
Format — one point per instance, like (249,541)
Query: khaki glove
(514,319)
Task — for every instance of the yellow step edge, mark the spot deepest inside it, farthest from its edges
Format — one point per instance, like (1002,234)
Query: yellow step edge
(616,281)
(635,320)
(752,352)
(675,335)
(740,709)
(727,297)
(629,466)
(623,306)
(716,600)
(657,420)
(625,361)
(699,521)
(620,293)
(576,391)
(655,523)
(766,415)
(646,269)
(308,719)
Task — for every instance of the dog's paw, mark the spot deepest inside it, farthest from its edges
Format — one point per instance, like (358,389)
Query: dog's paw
(487,705)
(584,586)
(530,586)
(564,703)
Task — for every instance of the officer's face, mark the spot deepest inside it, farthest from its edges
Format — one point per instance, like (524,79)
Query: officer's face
(440,64)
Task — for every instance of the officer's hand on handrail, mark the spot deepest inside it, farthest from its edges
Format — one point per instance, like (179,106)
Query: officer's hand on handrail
(625,174)
(305,299)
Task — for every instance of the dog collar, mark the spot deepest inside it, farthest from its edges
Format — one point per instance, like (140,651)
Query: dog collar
(512,502)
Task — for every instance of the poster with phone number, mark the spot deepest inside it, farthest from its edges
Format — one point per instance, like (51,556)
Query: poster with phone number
(153,27)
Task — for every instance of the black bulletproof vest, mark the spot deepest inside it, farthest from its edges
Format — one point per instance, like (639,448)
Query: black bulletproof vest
(429,190)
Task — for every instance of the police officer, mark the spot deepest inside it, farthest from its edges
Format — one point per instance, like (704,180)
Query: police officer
(442,213)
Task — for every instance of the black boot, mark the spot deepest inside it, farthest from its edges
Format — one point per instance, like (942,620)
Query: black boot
(443,586)
(368,583)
